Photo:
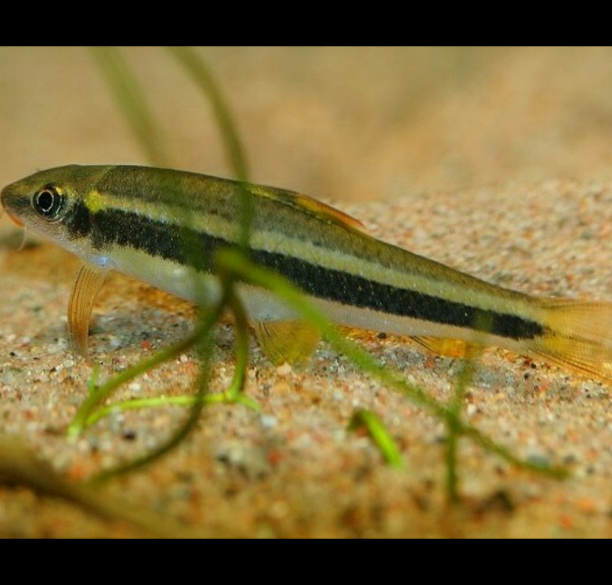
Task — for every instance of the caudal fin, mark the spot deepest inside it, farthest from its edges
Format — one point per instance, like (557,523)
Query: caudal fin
(578,336)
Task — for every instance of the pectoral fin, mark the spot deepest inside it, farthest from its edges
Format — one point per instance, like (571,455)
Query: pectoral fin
(455,348)
(286,341)
(86,288)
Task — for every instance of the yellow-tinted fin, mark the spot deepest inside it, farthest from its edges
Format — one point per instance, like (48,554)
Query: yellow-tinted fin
(578,336)
(286,341)
(454,348)
(328,212)
(311,206)
(84,293)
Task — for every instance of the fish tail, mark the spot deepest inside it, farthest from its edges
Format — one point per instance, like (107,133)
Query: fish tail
(577,335)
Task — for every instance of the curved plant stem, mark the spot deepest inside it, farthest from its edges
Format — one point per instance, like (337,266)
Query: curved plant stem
(103,392)
(262,277)
(203,343)
(202,75)
(235,266)
(380,436)
(132,102)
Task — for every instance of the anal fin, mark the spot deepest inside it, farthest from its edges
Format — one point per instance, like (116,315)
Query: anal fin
(286,341)
(86,288)
(455,348)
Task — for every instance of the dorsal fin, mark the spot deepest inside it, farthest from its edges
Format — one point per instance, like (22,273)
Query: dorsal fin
(310,205)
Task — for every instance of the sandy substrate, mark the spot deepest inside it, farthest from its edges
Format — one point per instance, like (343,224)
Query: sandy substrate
(293,470)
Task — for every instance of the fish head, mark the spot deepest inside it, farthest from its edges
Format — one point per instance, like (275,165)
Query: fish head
(42,201)
(51,203)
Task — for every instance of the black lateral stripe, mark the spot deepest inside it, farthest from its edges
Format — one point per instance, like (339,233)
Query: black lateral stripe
(78,221)
(168,241)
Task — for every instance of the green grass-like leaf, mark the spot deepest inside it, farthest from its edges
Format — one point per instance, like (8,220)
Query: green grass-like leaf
(379,435)
(132,103)
(202,75)
(264,278)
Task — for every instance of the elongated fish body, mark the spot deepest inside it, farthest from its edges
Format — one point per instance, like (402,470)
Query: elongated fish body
(164,227)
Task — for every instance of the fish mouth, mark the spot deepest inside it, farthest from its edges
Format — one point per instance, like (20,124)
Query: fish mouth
(5,197)
(11,216)
(14,219)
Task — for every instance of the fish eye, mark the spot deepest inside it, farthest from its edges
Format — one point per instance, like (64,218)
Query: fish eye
(48,202)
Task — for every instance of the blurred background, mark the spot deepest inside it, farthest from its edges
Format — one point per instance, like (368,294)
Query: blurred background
(337,123)
(340,124)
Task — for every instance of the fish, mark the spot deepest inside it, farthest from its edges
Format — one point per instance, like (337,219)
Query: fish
(164,227)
